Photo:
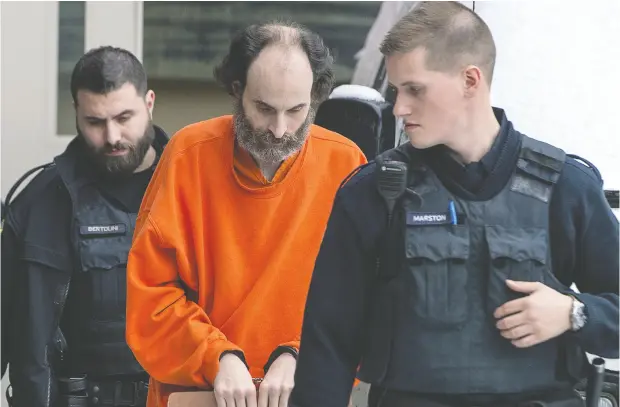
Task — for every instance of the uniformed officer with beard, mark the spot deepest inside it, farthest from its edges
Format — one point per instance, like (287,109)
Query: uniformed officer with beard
(65,243)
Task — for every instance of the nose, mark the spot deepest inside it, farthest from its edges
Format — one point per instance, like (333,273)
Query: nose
(401,109)
(278,127)
(112,133)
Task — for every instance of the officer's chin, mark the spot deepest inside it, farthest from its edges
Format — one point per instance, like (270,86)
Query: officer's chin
(420,143)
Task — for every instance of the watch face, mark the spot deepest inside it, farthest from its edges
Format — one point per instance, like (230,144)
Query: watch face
(578,318)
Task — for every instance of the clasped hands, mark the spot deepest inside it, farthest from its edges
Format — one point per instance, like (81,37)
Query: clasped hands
(234,387)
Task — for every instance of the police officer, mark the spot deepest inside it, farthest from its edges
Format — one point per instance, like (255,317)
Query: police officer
(65,243)
(479,232)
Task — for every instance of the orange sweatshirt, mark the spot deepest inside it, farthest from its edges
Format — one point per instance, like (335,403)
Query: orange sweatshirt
(223,262)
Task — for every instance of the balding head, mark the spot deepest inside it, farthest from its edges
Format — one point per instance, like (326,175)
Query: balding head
(246,47)
(281,75)
(453,36)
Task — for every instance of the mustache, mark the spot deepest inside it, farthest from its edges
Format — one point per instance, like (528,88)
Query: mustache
(118,146)
(271,138)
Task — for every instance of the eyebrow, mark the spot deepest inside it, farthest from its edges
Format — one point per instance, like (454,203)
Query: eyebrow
(260,102)
(123,113)
(407,83)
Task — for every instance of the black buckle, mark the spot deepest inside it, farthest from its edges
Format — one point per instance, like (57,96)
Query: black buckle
(139,391)
(71,385)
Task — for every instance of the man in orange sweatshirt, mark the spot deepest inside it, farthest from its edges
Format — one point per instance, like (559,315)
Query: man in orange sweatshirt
(230,226)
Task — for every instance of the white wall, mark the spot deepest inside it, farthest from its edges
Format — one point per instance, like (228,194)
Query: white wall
(28,87)
(558,74)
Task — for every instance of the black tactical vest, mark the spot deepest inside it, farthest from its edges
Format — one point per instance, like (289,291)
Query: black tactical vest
(102,235)
(432,323)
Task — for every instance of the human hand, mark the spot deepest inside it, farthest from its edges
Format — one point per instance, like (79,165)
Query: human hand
(542,315)
(278,383)
(233,386)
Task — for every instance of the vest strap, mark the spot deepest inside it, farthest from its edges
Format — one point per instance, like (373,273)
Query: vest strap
(21,179)
(9,195)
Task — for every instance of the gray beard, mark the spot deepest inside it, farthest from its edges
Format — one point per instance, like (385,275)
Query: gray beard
(262,145)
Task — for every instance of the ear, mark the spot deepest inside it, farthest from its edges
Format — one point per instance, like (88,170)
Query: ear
(473,79)
(149,99)
(75,110)
(237,89)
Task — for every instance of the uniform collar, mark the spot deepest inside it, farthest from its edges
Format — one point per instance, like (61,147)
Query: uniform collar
(489,160)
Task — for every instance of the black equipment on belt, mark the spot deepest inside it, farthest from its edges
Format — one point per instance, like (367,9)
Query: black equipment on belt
(82,392)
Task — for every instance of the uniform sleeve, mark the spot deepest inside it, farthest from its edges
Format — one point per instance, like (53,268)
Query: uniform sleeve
(330,347)
(171,336)
(583,222)
(596,276)
(357,160)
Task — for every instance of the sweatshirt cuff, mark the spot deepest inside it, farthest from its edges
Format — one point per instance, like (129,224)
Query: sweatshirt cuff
(237,353)
(215,352)
(590,336)
(280,350)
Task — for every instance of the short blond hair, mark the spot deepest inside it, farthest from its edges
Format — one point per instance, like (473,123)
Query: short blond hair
(452,34)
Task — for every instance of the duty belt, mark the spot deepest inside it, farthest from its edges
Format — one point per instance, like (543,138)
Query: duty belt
(83,392)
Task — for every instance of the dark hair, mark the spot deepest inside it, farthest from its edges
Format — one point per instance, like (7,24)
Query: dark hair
(452,34)
(105,69)
(247,44)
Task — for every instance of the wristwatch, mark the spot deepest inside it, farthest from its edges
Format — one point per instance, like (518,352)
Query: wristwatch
(578,316)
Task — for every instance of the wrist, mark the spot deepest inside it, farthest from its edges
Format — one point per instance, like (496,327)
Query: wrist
(286,355)
(577,315)
(230,356)
(280,350)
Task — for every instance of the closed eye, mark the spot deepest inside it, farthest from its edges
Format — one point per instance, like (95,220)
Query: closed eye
(95,122)
(264,108)
(123,119)
(414,90)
